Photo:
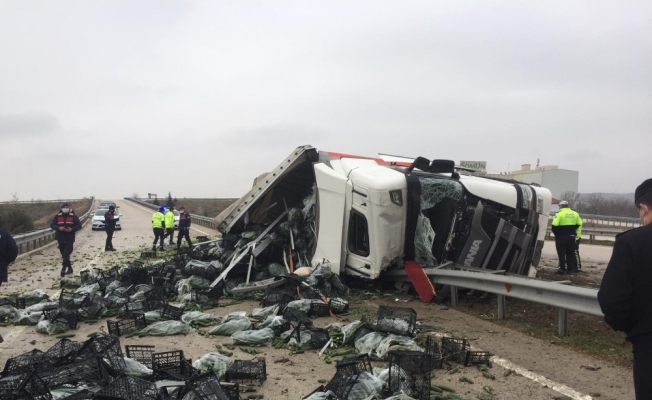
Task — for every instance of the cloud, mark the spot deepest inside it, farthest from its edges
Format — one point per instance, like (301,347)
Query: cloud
(28,125)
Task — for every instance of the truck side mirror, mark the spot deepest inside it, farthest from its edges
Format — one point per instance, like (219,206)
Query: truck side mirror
(442,166)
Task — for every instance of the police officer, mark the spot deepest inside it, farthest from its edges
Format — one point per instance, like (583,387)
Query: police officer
(625,295)
(110,219)
(8,254)
(65,223)
(158,224)
(169,224)
(184,228)
(567,227)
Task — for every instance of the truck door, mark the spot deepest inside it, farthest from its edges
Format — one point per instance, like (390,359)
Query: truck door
(331,189)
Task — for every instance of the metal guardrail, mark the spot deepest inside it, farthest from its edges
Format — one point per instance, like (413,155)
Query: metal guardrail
(609,219)
(196,219)
(35,239)
(552,293)
(593,232)
(60,201)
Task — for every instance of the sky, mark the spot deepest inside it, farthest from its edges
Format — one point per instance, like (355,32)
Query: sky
(197,98)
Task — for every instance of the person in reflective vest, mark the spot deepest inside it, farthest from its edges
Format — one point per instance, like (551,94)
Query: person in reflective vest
(65,224)
(169,224)
(158,225)
(184,228)
(567,227)
(110,219)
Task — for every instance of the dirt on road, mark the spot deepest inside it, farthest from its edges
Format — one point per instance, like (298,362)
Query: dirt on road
(544,369)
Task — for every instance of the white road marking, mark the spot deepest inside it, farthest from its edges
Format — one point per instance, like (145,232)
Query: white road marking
(540,379)
(146,209)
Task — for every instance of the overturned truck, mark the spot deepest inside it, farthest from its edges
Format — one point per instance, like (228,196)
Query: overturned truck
(366,216)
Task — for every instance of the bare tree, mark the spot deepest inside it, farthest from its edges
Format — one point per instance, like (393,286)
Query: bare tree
(571,197)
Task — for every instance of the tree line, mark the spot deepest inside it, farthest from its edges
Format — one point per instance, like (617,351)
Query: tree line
(595,203)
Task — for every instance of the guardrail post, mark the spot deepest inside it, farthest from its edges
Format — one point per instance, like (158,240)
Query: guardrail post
(562,328)
(501,306)
(454,299)
(591,239)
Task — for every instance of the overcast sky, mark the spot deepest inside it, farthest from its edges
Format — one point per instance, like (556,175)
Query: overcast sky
(112,98)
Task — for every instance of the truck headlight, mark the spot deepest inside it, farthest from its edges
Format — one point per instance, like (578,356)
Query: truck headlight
(396,196)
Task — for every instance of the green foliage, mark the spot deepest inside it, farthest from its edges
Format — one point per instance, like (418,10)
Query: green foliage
(155,202)
(169,201)
(16,220)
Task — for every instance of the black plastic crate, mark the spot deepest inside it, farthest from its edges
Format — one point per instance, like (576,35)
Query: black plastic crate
(354,365)
(362,331)
(154,300)
(134,308)
(162,286)
(318,309)
(128,388)
(126,326)
(318,338)
(147,254)
(341,384)
(433,350)
(105,347)
(309,293)
(7,302)
(20,303)
(410,373)
(135,274)
(172,365)
(477,357)
(202,239)
(71,300)
(81,395)
(142,354)
(295,315)
(110,274)
(63,348)
(93,310)
(67,316)
(26,362)
(24,387)
(247,372)
(454,349)
(338,306)
(397,320)
(207,387)
(278,329)
(90,369)
(171,312)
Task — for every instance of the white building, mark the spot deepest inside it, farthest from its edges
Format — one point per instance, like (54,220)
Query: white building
(552,177)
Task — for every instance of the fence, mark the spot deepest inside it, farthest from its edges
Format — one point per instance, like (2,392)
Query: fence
(35,239)
(196,219)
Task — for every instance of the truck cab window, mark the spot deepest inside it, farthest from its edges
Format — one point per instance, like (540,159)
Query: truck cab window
(358,234)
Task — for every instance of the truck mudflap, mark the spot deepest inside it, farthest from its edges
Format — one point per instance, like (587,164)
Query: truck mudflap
(421,281)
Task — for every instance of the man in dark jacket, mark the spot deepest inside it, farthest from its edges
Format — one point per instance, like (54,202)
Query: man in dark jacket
(625,294)
(184,228)
(110,219)
(8,254)
(65,223)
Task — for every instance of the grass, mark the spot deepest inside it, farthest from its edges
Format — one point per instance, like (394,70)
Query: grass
(206,207)
(588,335)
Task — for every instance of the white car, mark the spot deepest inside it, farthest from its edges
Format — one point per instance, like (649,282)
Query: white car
(98,220)
(176,219)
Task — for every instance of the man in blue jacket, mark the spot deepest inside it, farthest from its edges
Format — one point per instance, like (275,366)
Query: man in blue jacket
(625,294)
(65,223)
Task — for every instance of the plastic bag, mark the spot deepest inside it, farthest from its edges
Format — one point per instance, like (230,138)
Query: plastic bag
(51,328)
(304,340)
(134,368)
(215,362)
(276,269)
(185,286)
(46,305)
(34,296)
(303,305)
(350,330)
(365,386)
(400,397)
(231,327)
(234,315)
(264,312)
(381,373)
(262,337)
(198,318)
(70,283)
(153,316)
(26,318)
(395,342)
(166,328)
(328,395)
(63,393)
(272,321)
(88,289)
(369,342)
(9,313)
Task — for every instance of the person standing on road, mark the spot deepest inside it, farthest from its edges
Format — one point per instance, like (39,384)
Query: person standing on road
(110,219)
(65,223)
(8,254)
(169,224)
(567,228)
(184,228)
(625,296)
(158,224)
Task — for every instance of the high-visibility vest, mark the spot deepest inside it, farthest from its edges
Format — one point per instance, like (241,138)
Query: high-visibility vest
(157,220)
(169,219)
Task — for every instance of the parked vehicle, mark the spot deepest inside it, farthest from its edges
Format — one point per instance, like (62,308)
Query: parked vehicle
(375,214)
(97,222)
